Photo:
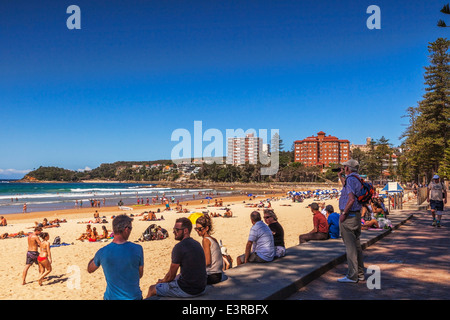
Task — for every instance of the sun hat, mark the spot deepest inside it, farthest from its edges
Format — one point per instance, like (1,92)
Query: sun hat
(435,176)
(352,163)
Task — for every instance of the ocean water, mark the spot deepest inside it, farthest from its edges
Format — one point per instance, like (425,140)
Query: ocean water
(57,196)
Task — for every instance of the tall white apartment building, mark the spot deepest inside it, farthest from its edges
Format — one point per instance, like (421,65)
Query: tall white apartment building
(244,150)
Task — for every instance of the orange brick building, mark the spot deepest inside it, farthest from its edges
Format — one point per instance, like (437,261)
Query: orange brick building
(321,150)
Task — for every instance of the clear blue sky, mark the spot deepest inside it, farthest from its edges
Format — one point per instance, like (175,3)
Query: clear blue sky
(138,70)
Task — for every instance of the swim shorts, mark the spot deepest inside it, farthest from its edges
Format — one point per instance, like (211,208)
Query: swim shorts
(32,257)
(437,205)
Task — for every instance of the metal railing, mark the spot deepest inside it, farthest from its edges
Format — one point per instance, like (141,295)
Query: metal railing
(421,195)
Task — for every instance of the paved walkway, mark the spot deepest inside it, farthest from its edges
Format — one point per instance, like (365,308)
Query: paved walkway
(414,263)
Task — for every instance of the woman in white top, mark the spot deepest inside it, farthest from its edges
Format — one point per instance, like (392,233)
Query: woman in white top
(213,253)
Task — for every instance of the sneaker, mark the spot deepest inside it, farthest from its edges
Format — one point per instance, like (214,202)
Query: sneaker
(346,280)
(361,278)
(438,224)
(434,223)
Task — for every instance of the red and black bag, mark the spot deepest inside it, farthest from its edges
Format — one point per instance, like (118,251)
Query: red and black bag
(367,191)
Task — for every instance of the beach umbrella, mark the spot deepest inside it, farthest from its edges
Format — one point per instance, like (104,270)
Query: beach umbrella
(250,194)
(208,198)
(194,216)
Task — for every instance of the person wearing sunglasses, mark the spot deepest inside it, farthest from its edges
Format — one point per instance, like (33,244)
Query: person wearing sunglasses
(122,262)
(189,257)
(270,218)
(213,253)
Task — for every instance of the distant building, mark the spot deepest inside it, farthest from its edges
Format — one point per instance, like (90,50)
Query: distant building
(362,147)
(243,150)
(321,150)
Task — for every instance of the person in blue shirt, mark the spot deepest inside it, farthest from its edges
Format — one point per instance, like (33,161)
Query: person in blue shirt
(350,221)
(333,222)
(122,262)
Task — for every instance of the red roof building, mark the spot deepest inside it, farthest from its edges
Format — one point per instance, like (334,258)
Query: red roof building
(321,150)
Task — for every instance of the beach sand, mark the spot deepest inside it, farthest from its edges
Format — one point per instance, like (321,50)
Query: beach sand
(70,280)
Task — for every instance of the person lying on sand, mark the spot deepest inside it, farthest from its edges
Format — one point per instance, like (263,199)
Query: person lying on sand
(45,224)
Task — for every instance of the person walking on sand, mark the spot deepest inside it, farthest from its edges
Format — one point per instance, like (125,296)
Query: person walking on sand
(122,262)
(32,253)
(188,255)
(437,197)
(45,257)
(350,221)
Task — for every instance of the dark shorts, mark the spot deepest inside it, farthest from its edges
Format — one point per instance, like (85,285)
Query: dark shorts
(214,278)
(437,205)
(253,257)
(32,257)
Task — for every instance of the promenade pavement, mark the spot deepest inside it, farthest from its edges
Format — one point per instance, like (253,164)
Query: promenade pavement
(413,260)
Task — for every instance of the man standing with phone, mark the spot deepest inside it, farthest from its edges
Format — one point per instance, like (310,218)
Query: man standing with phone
(350,221)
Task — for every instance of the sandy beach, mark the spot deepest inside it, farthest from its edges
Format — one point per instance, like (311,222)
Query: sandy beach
(70,280)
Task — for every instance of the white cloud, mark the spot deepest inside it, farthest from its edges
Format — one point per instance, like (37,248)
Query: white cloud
(85,169)
(13,171)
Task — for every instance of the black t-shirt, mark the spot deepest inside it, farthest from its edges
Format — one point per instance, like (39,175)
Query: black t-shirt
(189,254)
(278,233)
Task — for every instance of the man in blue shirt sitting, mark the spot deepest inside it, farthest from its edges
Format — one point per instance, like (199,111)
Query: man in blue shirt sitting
(333,222)
(122,262)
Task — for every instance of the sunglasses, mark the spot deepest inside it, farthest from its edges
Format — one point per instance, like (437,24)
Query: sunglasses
(177,229)
(267,217)
(199,228)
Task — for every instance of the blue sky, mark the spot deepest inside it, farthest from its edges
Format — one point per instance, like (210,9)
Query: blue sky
(138,70)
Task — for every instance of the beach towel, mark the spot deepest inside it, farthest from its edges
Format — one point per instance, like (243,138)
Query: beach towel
(59,245)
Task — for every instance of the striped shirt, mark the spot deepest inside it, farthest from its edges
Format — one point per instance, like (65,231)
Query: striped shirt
(351,185)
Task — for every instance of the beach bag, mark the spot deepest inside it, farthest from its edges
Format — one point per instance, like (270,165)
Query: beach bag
(384,223)
(149,233)
(163,234)
(366,192)
(57,241)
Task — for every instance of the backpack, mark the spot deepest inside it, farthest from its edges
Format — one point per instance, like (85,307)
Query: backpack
(57,241)
(366,192)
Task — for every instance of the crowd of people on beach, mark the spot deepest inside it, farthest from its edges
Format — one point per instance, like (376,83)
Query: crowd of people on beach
(195,265)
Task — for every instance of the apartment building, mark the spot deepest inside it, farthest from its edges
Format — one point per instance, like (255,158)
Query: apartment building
(321,150)
(244,150)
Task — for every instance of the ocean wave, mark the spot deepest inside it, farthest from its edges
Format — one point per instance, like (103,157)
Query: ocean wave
(106,193)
